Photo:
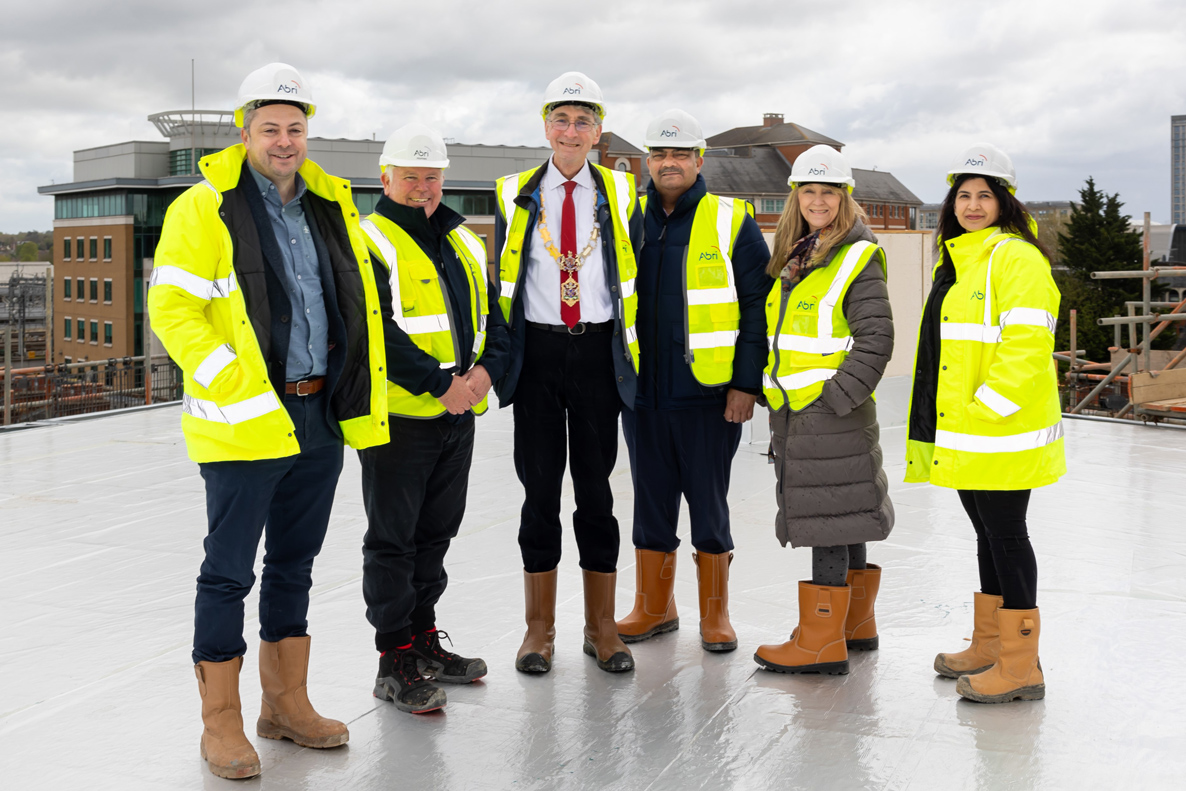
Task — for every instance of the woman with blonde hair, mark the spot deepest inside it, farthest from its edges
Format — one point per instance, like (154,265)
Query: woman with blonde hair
(830,335)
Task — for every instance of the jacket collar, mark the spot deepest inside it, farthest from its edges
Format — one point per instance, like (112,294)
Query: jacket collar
(686,203)
(224,169)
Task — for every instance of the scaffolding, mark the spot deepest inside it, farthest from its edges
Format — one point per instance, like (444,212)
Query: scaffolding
(25,311)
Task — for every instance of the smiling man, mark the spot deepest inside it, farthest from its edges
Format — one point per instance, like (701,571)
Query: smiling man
(445,342)
(263,293)
(702,338)
(567,233)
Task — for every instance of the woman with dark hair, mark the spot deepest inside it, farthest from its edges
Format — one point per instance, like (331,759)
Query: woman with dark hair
(830,336)
(985,418)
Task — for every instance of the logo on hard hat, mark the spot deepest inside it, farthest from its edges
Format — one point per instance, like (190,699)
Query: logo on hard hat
(977,161)
(576,90)
(420,153)
(822,170)
(284,87)
(673,132)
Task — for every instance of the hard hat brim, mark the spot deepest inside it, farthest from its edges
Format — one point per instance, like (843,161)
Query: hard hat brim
(241,110)
(400,162)
(549,106)
(848,184)
(1009,182)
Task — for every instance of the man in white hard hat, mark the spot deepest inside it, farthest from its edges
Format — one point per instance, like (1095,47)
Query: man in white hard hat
(445,342)
(702,288)
(263,293)
(567,234)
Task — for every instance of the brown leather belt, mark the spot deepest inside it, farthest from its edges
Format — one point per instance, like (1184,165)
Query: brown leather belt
(305,386)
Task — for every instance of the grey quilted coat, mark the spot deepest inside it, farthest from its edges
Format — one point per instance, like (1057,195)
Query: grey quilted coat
(831,487)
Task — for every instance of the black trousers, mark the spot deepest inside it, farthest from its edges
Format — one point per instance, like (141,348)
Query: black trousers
(291,499)
(566,408)
(1008,567)
(681,452)
(413,489)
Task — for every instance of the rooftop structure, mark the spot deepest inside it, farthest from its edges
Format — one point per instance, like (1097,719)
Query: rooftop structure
(1178,169)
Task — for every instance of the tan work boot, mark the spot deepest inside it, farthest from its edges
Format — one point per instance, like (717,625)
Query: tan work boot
(224,745)
(1017,674)
(712,576)
(986,643)
(817,644)
(286,712)
(654,597)
(860,628)
(539,593)
(601,631)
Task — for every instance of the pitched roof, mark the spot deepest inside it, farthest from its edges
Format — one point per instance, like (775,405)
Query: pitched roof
(620,145)
(777,135)
(880,185)
(763,172)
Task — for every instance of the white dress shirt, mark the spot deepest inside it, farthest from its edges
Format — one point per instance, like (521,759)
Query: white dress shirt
(541,280)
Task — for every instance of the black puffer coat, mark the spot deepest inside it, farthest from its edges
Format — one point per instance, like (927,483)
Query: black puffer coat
(831,487)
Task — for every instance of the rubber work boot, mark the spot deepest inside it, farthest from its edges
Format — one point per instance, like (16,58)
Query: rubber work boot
(286,712)
(1017,674)
(654,597)
(539,593)
(860,628)
(224,745)
(601,631)
(399,681)
(712,575)
(444,666)
(986,641)
(817,644)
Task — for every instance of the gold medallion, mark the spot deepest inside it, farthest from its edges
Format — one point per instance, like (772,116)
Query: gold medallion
(570,291)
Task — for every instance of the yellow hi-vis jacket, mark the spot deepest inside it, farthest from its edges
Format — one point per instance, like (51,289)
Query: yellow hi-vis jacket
(806,330)
(422,309)
(208,302)
(712,312)
(620,193)
(996,419)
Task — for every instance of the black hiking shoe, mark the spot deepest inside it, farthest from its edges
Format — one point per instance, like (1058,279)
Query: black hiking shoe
(399,681)
(442,665)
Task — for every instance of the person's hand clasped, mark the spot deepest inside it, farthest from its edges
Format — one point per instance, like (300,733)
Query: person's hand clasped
(739,406)
(459,397)
(479,381)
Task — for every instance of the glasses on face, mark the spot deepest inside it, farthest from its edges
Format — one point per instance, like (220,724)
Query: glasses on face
(677,154)
(562,124)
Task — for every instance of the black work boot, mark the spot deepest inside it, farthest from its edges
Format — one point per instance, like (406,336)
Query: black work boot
(442,665)
(399,681)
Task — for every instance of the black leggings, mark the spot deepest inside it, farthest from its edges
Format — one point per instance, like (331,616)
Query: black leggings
(830,565)
(1008,567)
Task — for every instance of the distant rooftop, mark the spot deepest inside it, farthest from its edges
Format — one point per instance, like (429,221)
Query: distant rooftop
(774,131)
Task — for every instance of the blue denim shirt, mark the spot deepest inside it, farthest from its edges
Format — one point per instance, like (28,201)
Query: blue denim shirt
(308,346)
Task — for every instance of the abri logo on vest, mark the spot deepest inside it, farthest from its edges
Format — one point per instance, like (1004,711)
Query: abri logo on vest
(713,255)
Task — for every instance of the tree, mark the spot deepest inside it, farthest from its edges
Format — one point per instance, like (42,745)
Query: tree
(26,251)
(1097,239)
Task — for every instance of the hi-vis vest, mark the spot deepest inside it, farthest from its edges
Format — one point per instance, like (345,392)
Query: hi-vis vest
(998,416)
(807,333)
(620,194)
(421,307)
(712,313)
(198,304)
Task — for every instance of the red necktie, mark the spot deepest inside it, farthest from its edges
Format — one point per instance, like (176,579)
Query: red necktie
(570,290)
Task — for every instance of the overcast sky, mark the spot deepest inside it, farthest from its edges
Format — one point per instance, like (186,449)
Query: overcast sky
(1069,89)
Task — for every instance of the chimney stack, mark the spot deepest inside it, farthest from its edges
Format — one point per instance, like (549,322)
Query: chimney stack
(771,119)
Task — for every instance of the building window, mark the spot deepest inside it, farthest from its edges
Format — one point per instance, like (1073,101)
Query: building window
(81,330)
(68,359)
(107,291)
(94,331)
(107,333)
(94,289)
(78,243)
(106,248)
(94,248)
(66,289)
(66,249)
(81,290)
(66,329)
(773,205)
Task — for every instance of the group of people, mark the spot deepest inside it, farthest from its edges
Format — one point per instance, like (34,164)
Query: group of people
(302,327)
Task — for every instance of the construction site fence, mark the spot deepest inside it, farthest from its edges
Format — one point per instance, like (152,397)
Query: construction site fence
(54,391)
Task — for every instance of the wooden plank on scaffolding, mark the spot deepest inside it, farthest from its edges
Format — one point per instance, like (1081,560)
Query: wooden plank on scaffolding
(1144,388)
(1169,405)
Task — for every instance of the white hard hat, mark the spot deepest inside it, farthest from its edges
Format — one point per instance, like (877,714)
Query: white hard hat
(414,145)
(572,87)
(274,82)
(985,159)
(674,129)
(821,165)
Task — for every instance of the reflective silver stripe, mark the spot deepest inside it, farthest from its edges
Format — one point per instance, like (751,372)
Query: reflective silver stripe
(212,366)
(206,183)
(448,363)
(482,322)
(801,379)
(1013,443)
(473,244)
(187,281)
(969,332)
(995,401)
(478,338)
(711,340)
(238,412)
(506,289)
(631,335)
(712,296)
(627,288)
(1035,317)
(418,325)
(624,195)
(988,282)
(510,189)
(801,343)
(828,303)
